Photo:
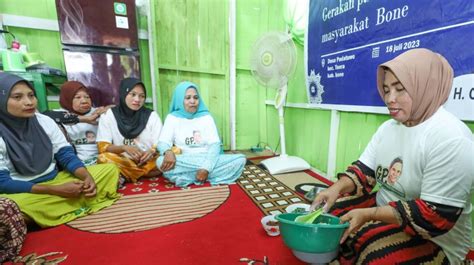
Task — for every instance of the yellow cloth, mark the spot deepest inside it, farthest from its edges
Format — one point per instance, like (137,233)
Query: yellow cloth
(128,168)
(51,210)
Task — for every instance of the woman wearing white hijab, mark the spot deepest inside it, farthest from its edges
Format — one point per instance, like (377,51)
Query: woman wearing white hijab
(421,213)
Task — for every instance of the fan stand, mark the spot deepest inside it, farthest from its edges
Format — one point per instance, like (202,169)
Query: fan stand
(283,163)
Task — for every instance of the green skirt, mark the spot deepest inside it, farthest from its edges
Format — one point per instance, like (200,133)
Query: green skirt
(51,210)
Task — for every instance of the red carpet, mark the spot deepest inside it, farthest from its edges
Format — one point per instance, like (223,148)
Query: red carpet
(225,233)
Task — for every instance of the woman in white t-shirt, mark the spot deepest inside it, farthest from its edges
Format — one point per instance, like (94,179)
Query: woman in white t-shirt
(422,160)
(31,149)
(190,130)
(128,133)
(75,100)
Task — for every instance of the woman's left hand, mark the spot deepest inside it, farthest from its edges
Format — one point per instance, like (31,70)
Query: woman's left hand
(89,188)
(356,219)
(201,175)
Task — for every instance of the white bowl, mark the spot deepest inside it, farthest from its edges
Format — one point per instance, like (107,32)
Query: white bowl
(298,208)
(272,230)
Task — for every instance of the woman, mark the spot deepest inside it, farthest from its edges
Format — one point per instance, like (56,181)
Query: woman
(191,129)
(31,147)
(128,133)
(75,100)
(424,216)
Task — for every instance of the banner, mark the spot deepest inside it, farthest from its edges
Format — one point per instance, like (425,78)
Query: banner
(347,39)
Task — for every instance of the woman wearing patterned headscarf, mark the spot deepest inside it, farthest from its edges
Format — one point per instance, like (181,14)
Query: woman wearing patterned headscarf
(190,128)
(423,215)
(128,133)
(31,147)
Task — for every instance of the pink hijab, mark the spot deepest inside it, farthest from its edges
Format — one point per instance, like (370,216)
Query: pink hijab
(427,77)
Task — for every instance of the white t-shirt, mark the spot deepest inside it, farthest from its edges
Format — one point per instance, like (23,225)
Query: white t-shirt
(108,132)
(57,139)
(433,161)
(190,135)
(83,137)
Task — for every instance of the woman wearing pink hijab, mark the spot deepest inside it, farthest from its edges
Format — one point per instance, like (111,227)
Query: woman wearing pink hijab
(422,216)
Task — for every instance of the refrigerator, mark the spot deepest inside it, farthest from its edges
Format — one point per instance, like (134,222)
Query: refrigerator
(100,45)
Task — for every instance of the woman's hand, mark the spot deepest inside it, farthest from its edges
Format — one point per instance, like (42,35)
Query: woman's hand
(326,197)
(91,119)
(356,219)
(201,175)
(331,194)
(72,189)
(147,155)
(169,161)
(89,189)
(134,152)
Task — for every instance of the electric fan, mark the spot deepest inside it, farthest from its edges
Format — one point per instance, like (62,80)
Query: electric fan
(272,62)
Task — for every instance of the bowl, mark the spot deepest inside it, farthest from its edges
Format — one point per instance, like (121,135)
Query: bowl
(270,224)
(314,243)
(298,208)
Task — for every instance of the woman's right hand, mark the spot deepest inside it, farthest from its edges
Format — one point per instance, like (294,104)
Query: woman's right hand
(331,194)
(327,198)
(169,161)
(72,189)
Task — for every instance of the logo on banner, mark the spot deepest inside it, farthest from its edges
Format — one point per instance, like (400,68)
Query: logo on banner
(315,87)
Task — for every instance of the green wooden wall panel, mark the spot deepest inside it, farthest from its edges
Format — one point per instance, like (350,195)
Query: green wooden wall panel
(355,131)
(304,138)
(192,34)
(250,107)
(30,8)
(251,22)
(44,42)
(145,66)
(297,83)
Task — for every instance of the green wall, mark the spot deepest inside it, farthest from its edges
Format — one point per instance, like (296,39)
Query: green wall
(192,41)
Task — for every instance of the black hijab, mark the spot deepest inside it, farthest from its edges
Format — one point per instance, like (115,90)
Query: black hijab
(130,122)
(28,146)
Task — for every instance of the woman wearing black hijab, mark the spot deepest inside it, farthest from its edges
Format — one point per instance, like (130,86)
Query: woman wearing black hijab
(128,133)
(31,147)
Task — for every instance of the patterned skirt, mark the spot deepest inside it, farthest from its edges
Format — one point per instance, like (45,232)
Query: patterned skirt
(381,243)
(12,230)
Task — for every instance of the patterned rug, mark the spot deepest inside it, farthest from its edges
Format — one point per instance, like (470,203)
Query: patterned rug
(152,210)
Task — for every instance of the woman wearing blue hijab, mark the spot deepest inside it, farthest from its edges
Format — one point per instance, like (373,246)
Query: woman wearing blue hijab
(190,131)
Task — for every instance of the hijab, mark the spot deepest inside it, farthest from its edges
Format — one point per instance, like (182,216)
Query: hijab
(130,122)
(67,93)
(177,103)
(426,76)
(25,140)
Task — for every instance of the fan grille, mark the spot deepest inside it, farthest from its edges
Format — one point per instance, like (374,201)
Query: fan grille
(273,59)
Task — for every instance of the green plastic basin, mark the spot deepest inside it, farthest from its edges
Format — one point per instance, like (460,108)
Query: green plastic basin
(322,236)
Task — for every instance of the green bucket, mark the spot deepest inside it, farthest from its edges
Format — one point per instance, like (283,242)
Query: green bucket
(322,236)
